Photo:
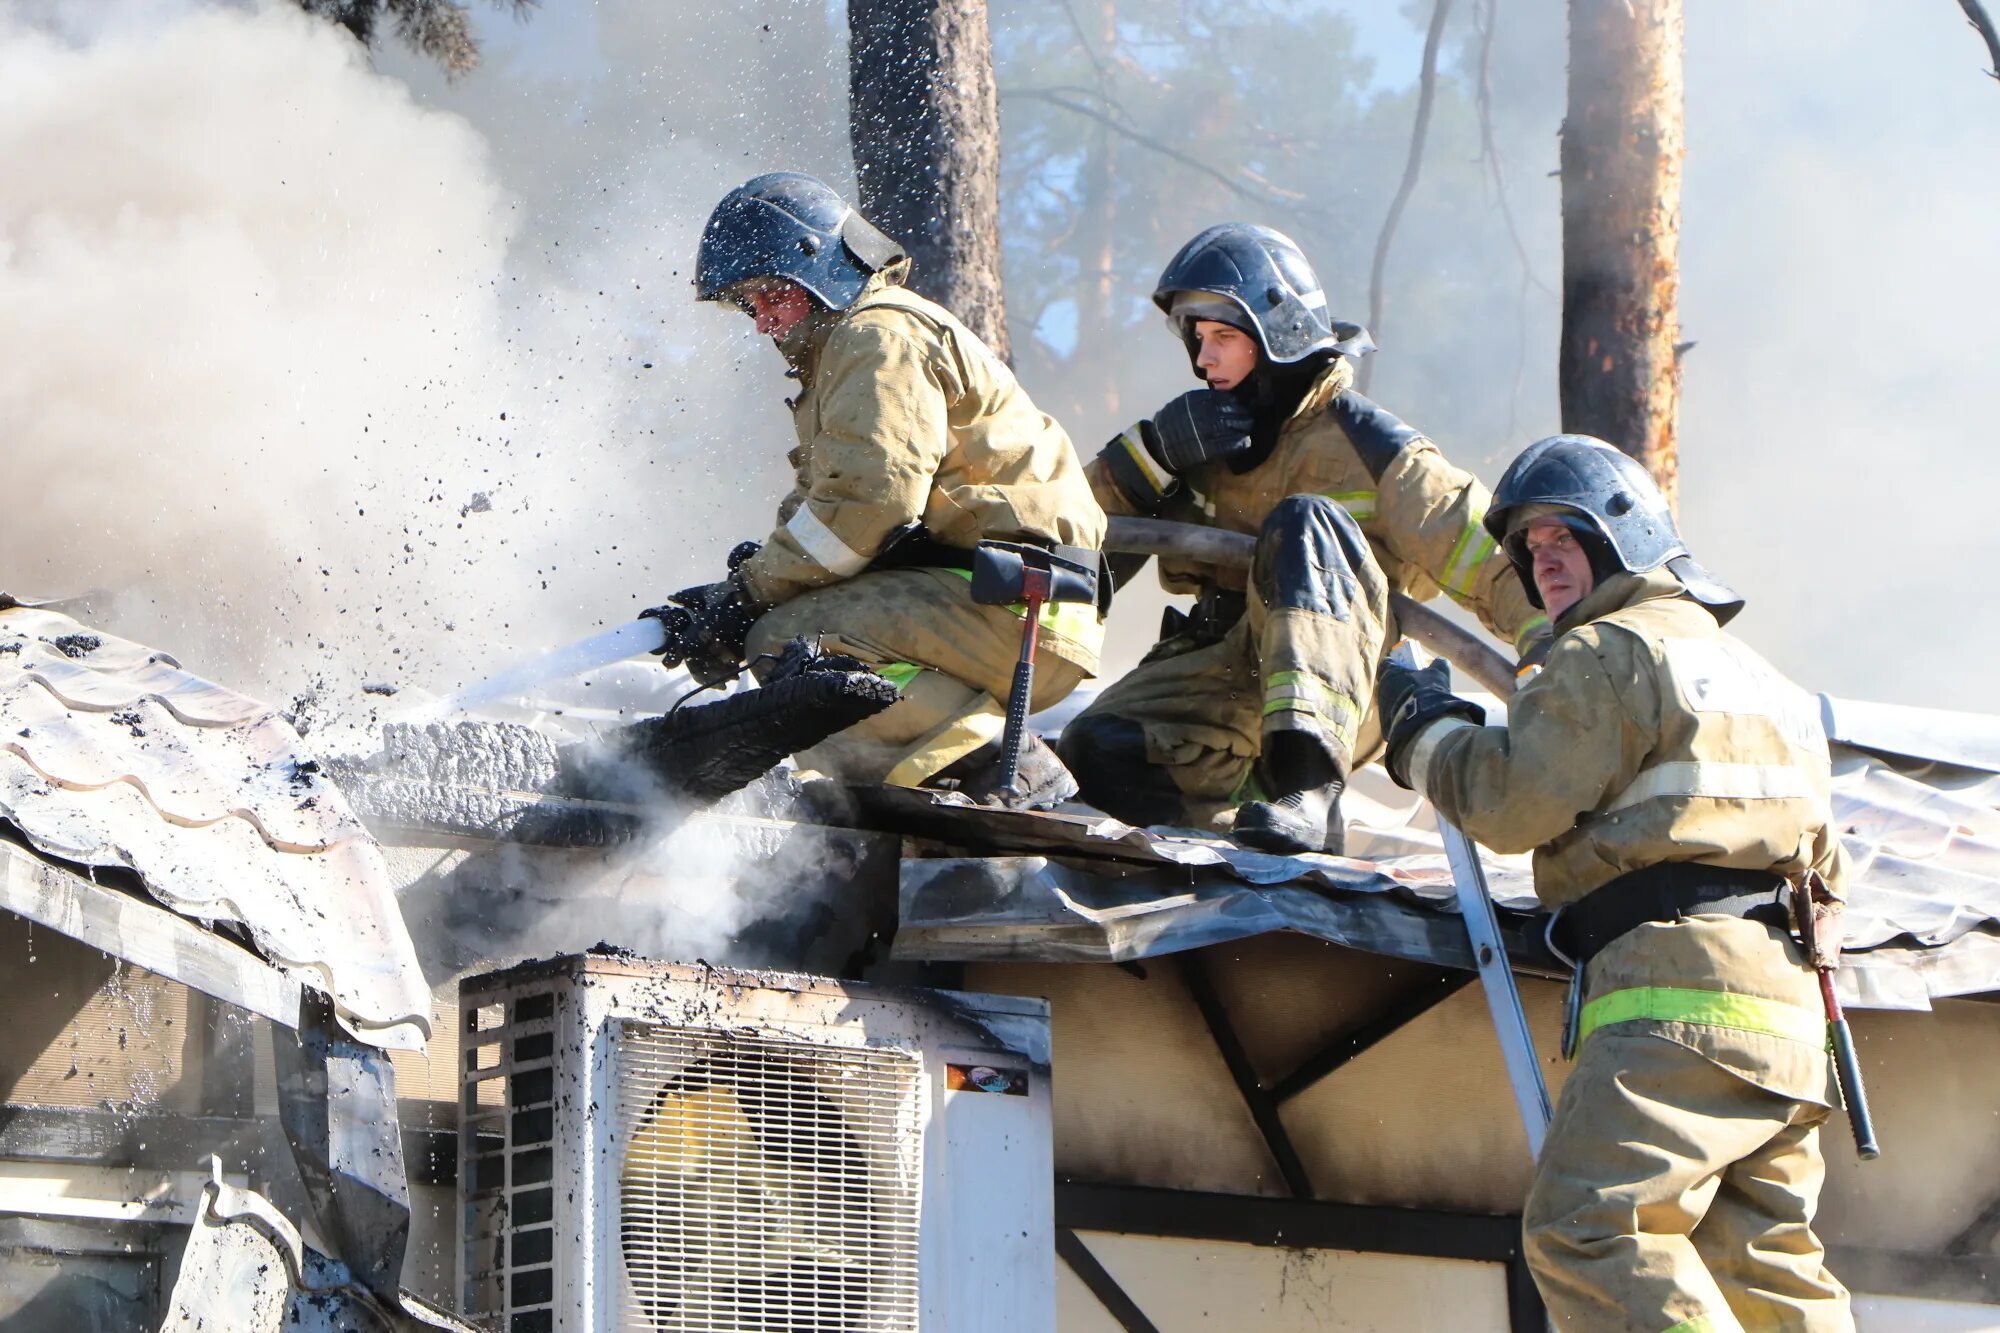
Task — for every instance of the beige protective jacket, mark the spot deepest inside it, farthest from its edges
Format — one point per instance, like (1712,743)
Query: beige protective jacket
(1651,735)
(905,415)
(1422,516)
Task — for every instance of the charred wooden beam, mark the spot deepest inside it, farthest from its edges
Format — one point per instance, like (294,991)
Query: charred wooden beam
(1263,1107)
(1349,1045)
(1525,1311)
(1312,1224)
(1080,1261)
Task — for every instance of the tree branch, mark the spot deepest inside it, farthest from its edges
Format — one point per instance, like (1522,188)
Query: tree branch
(1270,197)
(1982,23)
(1426,95)
(1486,15)
(1489,150)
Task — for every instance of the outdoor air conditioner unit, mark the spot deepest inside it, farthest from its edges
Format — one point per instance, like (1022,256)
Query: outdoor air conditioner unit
(670,1149)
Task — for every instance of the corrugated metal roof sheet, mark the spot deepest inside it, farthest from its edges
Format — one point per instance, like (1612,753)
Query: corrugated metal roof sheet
(111,754)
(1923,913)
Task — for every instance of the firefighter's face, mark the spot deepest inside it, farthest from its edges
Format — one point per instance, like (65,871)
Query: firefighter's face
(1561,566)
(1227,354)
(776,306)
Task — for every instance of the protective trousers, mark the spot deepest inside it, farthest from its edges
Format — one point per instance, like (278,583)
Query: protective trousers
(1303,658)
(951,658)
(1673,1196)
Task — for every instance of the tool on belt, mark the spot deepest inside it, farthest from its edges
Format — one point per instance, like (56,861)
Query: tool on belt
(1816,916)
(1668,891)
(1674,890)
(1019,574)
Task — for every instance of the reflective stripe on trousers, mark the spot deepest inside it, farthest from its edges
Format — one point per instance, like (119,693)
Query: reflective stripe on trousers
(1303,692)
(1711,1008)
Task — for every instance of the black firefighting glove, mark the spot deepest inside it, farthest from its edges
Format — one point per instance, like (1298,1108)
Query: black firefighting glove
(1200,426)
(1409,700)
(707,624)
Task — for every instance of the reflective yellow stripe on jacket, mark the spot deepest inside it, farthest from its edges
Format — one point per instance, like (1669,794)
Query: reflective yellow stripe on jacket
(1535,625)
(1461,570)
(1711,1008)
(1360,505)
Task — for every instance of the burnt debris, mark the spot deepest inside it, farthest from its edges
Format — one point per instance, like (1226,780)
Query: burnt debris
(506,782)
(496,781)
(702,752)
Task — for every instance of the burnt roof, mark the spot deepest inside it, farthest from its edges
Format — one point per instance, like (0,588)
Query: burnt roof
(112,755)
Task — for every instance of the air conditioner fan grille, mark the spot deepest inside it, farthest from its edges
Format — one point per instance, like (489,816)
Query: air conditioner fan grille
(766,1184)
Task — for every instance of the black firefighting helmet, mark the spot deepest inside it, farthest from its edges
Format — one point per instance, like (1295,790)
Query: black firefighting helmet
(1257,280)
(790,225)
(1612,505)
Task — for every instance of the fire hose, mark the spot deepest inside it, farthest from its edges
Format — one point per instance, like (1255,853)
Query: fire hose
(1232,550)
(1127,536)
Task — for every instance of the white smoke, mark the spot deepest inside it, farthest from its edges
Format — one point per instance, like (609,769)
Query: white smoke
(1837,442)
(720,884)
(320,396)
(276,373)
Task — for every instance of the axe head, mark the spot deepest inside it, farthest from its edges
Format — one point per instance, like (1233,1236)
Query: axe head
(1005,572)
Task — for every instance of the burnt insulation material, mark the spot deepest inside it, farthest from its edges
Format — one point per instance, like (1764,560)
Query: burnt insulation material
(496,781)
(704,752)
(540,821)
(489,756)
(506,782)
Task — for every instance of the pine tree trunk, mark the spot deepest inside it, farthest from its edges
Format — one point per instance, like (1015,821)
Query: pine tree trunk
(1622,146)
(924,120)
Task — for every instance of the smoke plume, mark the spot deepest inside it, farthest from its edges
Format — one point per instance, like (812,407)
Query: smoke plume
(279,373)
(328,373)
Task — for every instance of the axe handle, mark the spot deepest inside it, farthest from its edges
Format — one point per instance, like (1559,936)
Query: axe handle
(1018,698)
(1233,550)
(1847,1068)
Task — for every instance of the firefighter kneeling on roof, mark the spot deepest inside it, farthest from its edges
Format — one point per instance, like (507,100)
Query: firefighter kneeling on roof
(1259,698)
(915,444)
(1676,1190)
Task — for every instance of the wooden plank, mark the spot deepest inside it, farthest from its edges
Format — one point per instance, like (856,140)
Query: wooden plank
(144,934)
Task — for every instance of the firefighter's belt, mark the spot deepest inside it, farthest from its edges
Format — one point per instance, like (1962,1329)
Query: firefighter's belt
(1666,892)
(912,547)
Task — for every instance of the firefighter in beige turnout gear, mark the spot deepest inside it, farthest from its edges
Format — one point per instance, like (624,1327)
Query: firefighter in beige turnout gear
(1670,782)
(915,444)
(1262,698)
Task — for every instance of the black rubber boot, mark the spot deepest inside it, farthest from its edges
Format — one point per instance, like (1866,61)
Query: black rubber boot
(1107,753)
(1303,812)
(1040,782)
